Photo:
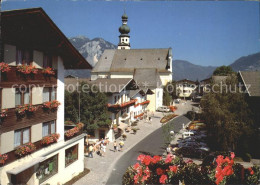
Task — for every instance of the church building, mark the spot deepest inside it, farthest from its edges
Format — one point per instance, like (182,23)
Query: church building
(150,68)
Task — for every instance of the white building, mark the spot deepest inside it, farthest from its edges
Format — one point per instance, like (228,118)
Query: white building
(186,88)
(150,68)
(30,38)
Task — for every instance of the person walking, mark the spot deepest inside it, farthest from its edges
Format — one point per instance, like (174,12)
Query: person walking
(103,149)
(121,144)
(90,151)
(115,146)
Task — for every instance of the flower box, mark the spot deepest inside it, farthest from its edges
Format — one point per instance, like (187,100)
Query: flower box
(74,130)
(51,105)
(3,113)
(50,139)
(25,149)
(27,69)
(48,71)
(3,158)
(22,109)
(4,67)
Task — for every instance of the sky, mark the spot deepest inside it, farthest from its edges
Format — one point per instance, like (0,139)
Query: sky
(202,32)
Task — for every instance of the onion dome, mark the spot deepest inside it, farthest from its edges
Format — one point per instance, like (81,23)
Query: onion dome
(124,29)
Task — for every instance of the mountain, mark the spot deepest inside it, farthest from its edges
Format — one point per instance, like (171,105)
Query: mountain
(91,49)
(247,63)
(183,69)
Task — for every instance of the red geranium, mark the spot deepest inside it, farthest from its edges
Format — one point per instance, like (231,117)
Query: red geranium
(159,171)
(163,179)
(169,158)
(156,159)
(48,71)
(173,168)
(4,67)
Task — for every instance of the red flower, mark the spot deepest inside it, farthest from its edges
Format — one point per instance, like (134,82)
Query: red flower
(232,155)
(163,179)
(136,166)
(173,168)
(4,67)
(156,159)
(136,179)
(141,157)
(251,171)
(159,171)
(169,158)
(147,160)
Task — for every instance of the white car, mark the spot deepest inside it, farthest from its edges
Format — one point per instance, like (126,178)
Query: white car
(163,109)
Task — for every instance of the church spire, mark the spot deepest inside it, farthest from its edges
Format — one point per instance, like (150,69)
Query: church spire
(124,38)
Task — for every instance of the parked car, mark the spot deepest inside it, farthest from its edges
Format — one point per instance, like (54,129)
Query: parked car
(163,109)
(195,146)
(187,134)
(191,152)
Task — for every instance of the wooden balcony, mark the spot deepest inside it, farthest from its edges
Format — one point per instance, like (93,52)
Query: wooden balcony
(8,79)
(12,122)
(122,105)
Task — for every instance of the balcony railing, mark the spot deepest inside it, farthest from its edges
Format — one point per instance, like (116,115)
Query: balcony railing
(122,105)
(142,103)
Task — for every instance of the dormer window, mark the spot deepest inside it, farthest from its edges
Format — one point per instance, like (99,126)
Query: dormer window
(23,56)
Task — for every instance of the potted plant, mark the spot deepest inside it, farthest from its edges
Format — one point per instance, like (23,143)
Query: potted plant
(20,111)
(51,105)
(124,136)
(25,149)
(48,71)
(4,67)
(3,113)
(3,158)
(30,109)
(50,139)
(135,129)
(27,69)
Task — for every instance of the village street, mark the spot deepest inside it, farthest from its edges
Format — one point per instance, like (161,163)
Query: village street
(148,139)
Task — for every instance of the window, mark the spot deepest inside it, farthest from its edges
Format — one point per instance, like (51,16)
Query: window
(48,94)
(47,60)
(47,169)
(23,56)
(71,155)
(22,96)
(48,128)
(22,136)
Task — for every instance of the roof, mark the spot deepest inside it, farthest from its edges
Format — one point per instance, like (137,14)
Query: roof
(147,78)
(251,80)
(117,60)
(33,28)
(114,85)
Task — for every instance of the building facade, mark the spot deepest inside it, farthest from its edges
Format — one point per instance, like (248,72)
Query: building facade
(33,145)
(150,68)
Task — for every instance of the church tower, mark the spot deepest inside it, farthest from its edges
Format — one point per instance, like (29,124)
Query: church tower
(124,38)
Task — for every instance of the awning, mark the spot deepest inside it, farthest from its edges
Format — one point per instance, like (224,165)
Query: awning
(25,166)
(122,126)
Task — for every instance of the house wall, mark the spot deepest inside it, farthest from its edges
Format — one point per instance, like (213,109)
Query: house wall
(121,75)
(36,132)
(159,97)
(60,98)
(38,59)
(8,98)
(7,142)
(37,95)
(64,173)
(165,78)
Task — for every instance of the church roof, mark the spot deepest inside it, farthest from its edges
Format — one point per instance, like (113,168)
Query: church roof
(130,59)
(252,80)
(147,78)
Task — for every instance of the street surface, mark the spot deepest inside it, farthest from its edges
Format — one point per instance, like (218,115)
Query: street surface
(153,144)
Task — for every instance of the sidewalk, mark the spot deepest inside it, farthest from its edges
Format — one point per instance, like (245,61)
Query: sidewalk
(101,167)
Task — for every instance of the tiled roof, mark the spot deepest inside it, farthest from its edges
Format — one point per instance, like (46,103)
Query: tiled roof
(252,80)
(147,78)
(130,59)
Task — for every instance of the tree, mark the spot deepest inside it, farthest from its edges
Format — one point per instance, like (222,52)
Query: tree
(227,117)
(223,71)
(170,92)
(93,109)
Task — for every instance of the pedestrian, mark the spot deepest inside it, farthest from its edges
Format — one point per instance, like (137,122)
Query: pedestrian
(121,144)
(103,149)
(115,146)
(90,151)
(169,149)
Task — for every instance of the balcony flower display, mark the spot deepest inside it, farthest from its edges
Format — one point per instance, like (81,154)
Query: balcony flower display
(173,169)
(29,108)
(51,105)
(3,113)
(48,71)
(20,110)
(25,150)
(139,115)
(50,139)
(27,69)
(122,105)
(4,67)
(3,158)
(145,102)
(74,130)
